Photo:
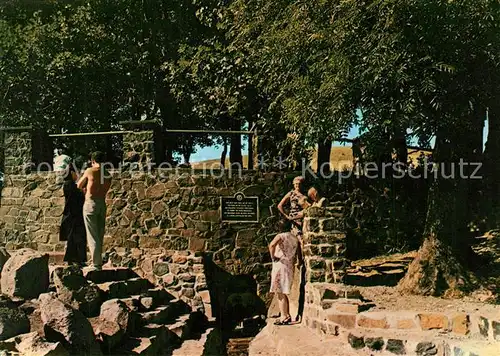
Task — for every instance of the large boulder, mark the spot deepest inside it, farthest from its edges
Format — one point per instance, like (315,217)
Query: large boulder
(74,289)
(33,344)
(114,322)
(116,311)
(25,275)
(12,322)
(64,324)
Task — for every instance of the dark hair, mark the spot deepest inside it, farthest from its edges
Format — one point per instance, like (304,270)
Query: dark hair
(97,156)
(284,225)
(67,172)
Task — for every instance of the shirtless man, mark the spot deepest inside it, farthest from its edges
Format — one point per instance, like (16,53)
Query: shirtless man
(95,182)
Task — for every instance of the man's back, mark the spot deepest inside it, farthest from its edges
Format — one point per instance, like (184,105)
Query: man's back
(98,183)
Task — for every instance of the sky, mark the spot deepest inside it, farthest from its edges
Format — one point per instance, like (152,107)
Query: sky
(214,152)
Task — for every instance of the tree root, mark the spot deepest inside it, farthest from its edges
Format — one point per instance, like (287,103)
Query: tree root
(436,271)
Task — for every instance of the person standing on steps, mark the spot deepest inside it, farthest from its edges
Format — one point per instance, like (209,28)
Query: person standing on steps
(72,225)
(293,198)
(95,182)
(283,250)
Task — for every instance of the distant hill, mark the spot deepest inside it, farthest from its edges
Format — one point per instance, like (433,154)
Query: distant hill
(340,158)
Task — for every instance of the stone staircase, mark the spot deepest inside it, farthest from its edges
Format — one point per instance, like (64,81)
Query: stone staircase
(383,322)
(162,324)
(380,271)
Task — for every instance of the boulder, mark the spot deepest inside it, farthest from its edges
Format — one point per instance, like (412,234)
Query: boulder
(116,311)
(74,289)
(25,275)
(12,322)
(108,333)
(34,345)
(64,324)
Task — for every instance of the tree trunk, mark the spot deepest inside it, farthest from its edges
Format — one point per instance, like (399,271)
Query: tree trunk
(224,153)
(439,268)
(250,148)
(235,156)
(324,151)
(400,147)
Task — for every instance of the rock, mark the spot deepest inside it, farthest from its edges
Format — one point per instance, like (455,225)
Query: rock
(374,343)
(73,289)
(109,333)
(116,311)
(396,346)
(426,348)
(34,345)
(356,342)
(25,274)
(12,322)
(67,325)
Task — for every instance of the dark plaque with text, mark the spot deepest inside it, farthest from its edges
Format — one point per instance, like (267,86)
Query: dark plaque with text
(239,208)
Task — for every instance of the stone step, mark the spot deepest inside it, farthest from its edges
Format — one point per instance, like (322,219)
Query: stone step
(374,278)
(193,347)
(297,340)
(109,274)
(165,314)
(160,331)
(180,328)
(141,346)
(160,296)
(148,301)
(425,343)
(56,258)
(125,289)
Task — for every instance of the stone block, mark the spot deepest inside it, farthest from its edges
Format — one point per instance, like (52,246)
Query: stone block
(372,322)
(205,296)
(484,326)
(156,191)
(356,342)
(396,346)
(347,321)
(316,276)
(374,343)
(406,324)
(245,238)
(335,292)
(196,244)
(311,224)
(496,330)
(331,224)
(316,263)
(460,324)
(210,216)
(430,321)
(426,348)
(347,308)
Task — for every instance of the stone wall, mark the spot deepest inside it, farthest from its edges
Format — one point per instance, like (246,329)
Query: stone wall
(342,311)
(325,244)
(17,150)
(162,209)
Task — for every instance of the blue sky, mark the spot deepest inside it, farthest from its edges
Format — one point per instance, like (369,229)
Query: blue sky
(214,152)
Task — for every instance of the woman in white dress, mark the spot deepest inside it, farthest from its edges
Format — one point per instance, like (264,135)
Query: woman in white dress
(283,251)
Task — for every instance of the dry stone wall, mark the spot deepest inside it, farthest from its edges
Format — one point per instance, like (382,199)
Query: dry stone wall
(168,210)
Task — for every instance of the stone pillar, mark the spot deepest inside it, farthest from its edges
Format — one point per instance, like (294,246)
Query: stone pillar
(139,144)
(18,153)
(324,245)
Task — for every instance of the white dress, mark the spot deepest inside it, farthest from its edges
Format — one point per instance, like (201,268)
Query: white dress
(282,272)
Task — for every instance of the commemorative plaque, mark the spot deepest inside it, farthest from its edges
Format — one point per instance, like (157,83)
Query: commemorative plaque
(239,208)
